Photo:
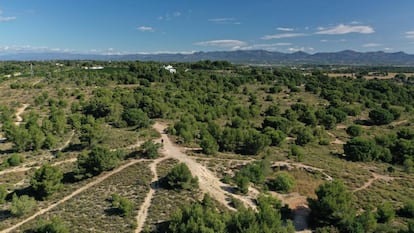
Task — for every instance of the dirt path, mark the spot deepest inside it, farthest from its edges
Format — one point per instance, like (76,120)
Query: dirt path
(143,209)
(337,140)
(36,82)
(208,182)
(27,167)
(289,165)
(375,177)
(76,192)
(397,123)
(67,141)
(18,114)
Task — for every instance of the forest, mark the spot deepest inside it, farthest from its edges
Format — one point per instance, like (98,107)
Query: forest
(133,147)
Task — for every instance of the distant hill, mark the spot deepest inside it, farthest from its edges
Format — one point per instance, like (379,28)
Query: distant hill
(346,57)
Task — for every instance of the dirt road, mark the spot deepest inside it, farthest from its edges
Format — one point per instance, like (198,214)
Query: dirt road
(208,181)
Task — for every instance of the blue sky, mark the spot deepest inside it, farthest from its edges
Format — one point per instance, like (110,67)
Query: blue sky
(135,26)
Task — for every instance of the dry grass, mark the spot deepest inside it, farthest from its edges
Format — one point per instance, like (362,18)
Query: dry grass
(91,211)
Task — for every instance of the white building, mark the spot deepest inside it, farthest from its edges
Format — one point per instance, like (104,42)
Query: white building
(170,68)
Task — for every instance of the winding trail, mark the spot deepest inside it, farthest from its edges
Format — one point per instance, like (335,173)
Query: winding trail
(19,112)
(76,192)
(375,177)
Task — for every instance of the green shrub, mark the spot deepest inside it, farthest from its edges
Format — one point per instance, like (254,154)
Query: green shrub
(408,209)
(149,149)
(55,225)
(354,130)
(3,193)
(22,205)
(123,205)
(283,182)
(385,213)
(180,178)
(46,181)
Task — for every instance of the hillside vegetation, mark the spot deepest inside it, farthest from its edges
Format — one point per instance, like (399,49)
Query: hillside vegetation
(214,147)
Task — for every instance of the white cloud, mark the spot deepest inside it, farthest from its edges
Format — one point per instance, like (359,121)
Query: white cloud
(345,29)
(281,36)
(388,49)
(302,49)
(220,20)
(355,22)
(224,21)
(284,29)
(409,35)
(145,29)
(169,16)
(370,45)
(234,44)
(7,19)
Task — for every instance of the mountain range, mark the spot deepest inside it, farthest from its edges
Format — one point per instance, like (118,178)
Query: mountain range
(346,57)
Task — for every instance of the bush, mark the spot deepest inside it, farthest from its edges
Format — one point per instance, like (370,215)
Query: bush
(304,136)
(354,130)
(123,205)
(22,205)
(296,152)
(276,136)
(46,181)
(381,116)
(180,178)
(333,205)
(283,182)
(15,160)
(242,183)
(136,117)
(410,226)
(3,193)
(385,213)
(98,160)
(149,149)
(209,145)
(359,149)
(55,225)
(408,209)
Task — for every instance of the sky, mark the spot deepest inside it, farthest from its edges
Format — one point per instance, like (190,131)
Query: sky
(185,26)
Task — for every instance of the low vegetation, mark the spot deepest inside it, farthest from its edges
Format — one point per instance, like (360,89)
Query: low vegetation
(351,137)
